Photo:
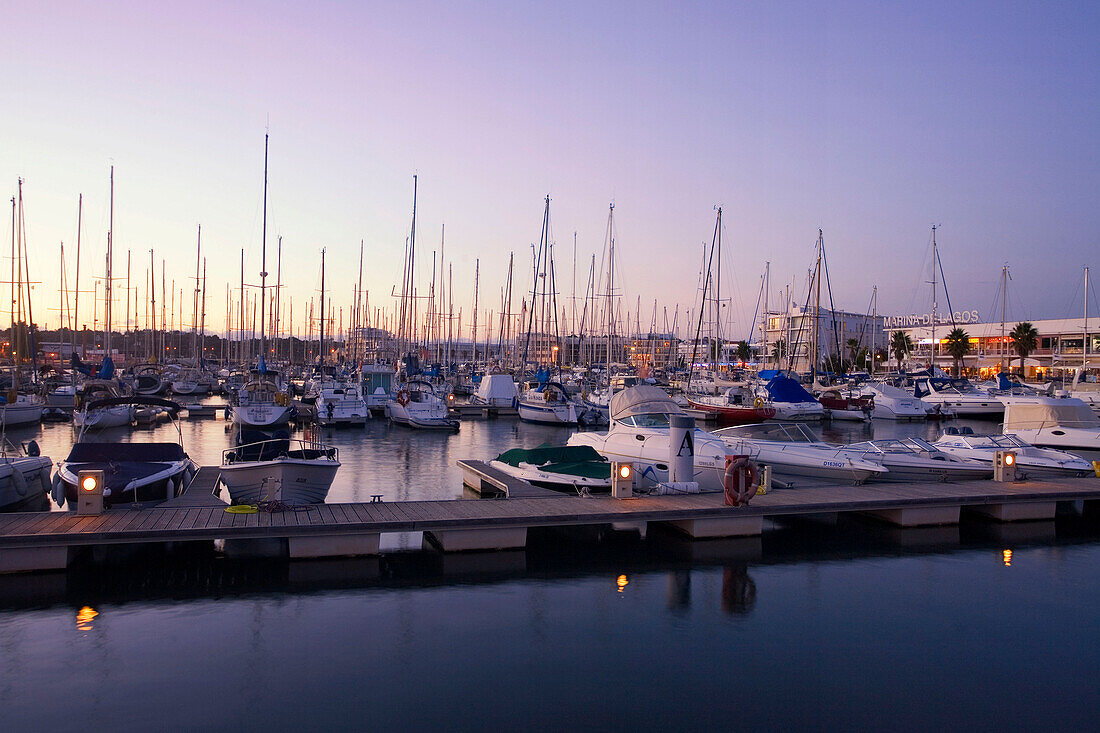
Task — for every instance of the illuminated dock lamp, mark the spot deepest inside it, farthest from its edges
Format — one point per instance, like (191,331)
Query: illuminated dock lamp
(89,492)
(622,480)
(1004,466)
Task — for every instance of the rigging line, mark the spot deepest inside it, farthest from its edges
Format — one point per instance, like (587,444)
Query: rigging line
(832,307)
(943,281)
(756,311)
(702,308)
(801,323)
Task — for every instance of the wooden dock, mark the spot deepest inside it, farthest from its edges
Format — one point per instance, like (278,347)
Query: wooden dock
(48,540)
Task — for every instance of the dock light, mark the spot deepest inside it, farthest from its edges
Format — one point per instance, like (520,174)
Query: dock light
(622,480)
(89,498)
(1004,466)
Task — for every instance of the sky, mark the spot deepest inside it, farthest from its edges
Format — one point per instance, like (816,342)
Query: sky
(870,121)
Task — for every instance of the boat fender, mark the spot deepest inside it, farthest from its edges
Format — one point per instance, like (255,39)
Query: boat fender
(19,480)
(170,490)
(45,480)
(739,480)
(758,402)
(58,492)
(402,397)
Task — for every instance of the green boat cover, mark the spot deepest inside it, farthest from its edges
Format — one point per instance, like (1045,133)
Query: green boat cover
(572,460)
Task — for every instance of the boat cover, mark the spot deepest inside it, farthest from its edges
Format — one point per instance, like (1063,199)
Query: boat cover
(645,399)
(782,388)
(126,453)
(573,460)
(1067,413)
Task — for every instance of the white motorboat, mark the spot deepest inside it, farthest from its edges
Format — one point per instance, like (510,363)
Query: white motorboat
(1052,422)
(956,397)
(496,390)
(792,450)
(913,459)
(99,407)
(376,381)
(25,410)
(133,472)
(640,432)
(1030,460)
(339,403)
(547,403)
(261,403)
(1087,392)
(791,400)
(279,469)
(892,403)
(25,481)
(416,405)
(568,468)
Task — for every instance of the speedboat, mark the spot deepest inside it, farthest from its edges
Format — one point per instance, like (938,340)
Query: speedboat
(496,390)
(956,397)
(340,403)
(416,405)
(547,403)
(792,450)
(25,480)
(892,403)
(278,468)
(133,472)
(791,400)
(913,459)
(562,468)
(99,406)
(1052,422)
(640,432)
(1030,460)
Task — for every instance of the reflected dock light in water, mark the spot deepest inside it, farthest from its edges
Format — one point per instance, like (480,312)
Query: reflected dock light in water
(1007,555)
(84,618)
(621,582)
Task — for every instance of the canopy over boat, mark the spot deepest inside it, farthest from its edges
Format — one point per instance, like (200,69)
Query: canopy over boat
(645,399)
(573,460)
(782,388)
(1045,413)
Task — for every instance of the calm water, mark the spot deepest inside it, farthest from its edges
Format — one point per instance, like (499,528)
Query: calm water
(813,625)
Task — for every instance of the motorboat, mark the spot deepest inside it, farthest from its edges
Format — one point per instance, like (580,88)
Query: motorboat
(569,468)
(893,403)
(23,410)
(376,381)
(133,472)
(735,406)
(261,402)
(278,468)
(25,480)
(913,459)
(416,405)
(339,403)
(99,406)
(1030,460)
(956,397)
(640,432)
(844,403)
(547,403)
(496,390)
(1086,391)
(791,400)
(1052,422)
(792,450)
(149,381)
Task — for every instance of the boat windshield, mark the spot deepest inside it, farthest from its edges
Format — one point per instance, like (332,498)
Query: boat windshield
(647,420)
(779,432)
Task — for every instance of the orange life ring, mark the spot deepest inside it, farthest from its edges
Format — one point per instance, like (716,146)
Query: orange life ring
(739,480)
(402,397)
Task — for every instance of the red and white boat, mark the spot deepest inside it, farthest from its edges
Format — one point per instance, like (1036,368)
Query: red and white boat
(735,406)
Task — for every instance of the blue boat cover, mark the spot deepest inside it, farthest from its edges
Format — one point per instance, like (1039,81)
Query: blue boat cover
(784,389)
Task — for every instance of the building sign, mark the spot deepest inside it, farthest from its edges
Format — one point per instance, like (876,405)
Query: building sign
(926,319)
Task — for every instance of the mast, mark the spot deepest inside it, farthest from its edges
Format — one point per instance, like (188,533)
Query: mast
(1004,299)
(11,282)
(279,289)
(817,309)
(935,256)
(1085,338)
(477,281)
(153,307)
(195,313)
(263,266)
(874,325)
(76,292)
(110,245)
(764,323)
(321,340)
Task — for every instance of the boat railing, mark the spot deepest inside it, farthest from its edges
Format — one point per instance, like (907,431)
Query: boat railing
(272,448)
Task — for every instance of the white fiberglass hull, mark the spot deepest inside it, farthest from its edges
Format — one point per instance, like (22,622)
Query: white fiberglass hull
(21,413)
(1084,442)
(650,455)
(966,407)
(25,484)
(806,411)
(807,460)
(547,479)
(421,415)
(289,480)
(105,417)
(265,415)
(548,413)
(1030,461)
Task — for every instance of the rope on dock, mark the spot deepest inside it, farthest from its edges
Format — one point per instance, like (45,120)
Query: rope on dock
(267,506)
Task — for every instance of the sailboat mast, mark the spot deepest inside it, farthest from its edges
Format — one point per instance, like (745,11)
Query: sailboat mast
(263,265)
(1085,334)
(321,340)
(195,312)
(76,285)
(1004,300)
(935,256)
(764,320)
(110,245)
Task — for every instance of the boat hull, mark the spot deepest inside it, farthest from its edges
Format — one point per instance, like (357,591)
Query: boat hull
(289,480)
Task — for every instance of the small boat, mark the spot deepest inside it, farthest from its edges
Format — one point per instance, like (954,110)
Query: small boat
(261,402)
(913,459)
(843,403)
(566,468)
(25,481)
(956,397)
(133,472)
(339,403)
(1030,460)
(496,390)
(734,407)
(1064,423)
(101,405)
(149,380)
(547,403)
(278,468)
(791,400)
(893,403)
(23,410)
(416,405)
(792,450)
(376,380)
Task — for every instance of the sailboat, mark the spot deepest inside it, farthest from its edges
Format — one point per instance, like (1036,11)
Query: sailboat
(16,408)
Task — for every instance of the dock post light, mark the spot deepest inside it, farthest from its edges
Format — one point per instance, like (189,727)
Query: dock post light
(89,492)
(622,480)
(1004,466)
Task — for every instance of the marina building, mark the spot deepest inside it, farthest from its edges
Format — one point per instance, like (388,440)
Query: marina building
(791,334)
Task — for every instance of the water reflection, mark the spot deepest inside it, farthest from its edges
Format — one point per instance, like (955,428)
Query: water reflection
(84,618)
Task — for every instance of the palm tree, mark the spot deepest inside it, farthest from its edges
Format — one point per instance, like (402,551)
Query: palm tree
(958,346)
(779,351)
(744,353)
(1025,338)
(901,346)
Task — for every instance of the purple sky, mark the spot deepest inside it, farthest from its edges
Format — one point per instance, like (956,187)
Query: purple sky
(871,121)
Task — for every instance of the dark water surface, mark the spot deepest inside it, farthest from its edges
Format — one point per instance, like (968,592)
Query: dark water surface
(818,625)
